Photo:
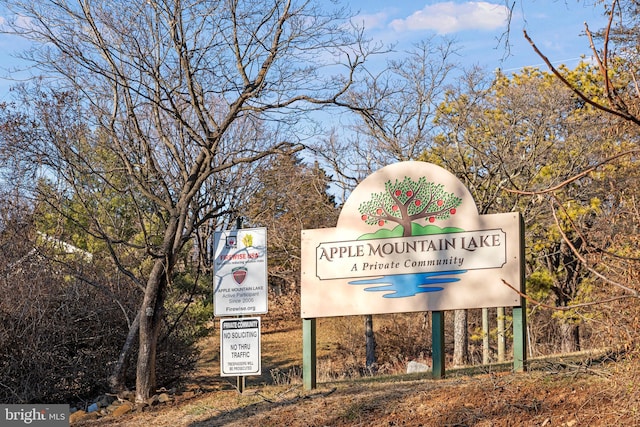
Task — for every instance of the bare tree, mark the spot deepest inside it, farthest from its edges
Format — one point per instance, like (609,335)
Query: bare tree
(460,338)
(394,108)
(177,96)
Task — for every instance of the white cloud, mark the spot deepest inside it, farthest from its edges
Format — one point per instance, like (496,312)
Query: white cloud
(8,23)
(450,17)
(371,21)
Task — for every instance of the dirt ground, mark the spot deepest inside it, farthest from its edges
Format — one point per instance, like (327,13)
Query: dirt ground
(582,390)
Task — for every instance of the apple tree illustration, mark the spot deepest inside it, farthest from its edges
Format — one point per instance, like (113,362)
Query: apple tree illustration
(406,201)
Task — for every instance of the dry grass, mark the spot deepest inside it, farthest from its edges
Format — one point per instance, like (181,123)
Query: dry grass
(581,390)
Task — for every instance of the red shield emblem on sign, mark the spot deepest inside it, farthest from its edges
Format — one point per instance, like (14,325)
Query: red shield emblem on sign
(239,273)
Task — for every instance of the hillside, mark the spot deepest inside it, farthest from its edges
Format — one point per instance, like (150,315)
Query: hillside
(577,390)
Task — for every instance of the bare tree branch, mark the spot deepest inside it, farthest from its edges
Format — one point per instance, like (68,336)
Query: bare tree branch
(622,113)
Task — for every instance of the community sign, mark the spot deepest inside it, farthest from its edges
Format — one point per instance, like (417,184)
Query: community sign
(240,272)
(409,238)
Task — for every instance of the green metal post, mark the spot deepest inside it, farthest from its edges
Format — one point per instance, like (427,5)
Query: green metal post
(437,344)
(309,353)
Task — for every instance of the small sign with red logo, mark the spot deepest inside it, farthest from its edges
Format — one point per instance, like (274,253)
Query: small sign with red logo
(240,272)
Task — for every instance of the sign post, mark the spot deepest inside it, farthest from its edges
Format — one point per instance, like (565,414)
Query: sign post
(309,374)
(437,344)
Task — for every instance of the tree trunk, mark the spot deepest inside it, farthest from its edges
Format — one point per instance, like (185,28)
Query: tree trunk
(570,336)
(460,339)
(118,374)
(370,340)
(150,321)
(486,357)
(502,343)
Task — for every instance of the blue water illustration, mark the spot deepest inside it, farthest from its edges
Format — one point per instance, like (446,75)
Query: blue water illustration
(408,285)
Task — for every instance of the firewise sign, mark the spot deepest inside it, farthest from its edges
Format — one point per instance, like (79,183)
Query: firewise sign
(240,272)
(409,238)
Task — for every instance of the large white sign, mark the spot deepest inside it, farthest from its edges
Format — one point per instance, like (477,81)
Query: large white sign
(240,272)
(240,347)
(409,238)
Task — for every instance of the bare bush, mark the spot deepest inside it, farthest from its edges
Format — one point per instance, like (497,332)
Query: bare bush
(60,332)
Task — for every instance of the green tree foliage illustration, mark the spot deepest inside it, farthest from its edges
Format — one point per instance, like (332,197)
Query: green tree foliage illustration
(404,202)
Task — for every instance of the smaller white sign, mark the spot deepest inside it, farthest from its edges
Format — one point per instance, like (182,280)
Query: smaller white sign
(240,272)
(240,347)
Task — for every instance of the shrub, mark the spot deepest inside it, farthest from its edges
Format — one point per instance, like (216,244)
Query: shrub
(63,323)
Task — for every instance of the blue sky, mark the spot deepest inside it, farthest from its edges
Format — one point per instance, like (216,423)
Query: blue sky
(476,26)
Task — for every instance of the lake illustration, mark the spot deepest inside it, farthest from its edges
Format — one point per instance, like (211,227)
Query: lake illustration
(408,285)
